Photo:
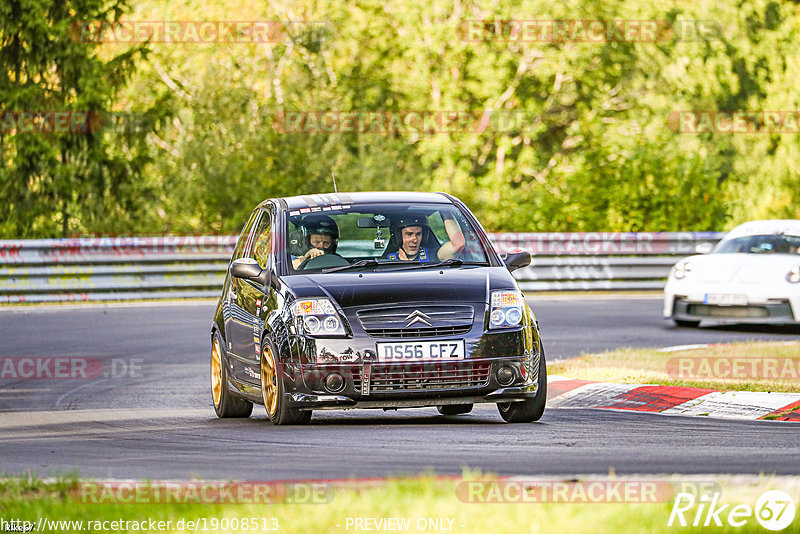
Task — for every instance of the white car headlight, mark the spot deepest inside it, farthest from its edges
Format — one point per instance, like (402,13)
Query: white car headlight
(506,309)
(682,269)
(793,276)
(318,317)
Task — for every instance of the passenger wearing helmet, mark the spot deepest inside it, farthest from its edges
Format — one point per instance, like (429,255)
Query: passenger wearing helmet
(322,235)
(415,241)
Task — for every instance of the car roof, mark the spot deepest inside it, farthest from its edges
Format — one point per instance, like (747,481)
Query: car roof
(774,226)
(371,197)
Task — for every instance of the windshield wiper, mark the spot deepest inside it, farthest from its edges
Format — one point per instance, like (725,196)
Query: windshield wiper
(364,263)
(452,262)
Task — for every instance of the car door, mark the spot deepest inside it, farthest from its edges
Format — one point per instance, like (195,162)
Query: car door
(229,292)
(250,297)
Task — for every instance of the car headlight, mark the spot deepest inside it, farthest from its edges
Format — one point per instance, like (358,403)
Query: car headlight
(793,276)
(318,317)
(506,309)
(682,269)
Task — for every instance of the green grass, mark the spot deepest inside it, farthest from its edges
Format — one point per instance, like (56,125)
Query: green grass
(649,366)
(414,498)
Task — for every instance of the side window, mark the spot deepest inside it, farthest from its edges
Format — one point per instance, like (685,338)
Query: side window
(262,240)
(436,224)
(242,242)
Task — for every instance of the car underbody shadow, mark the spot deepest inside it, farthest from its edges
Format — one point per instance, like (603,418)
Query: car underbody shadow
(788,330)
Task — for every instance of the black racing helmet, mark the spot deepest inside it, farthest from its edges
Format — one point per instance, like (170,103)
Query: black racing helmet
(320,225)
(409,219)
(406,220)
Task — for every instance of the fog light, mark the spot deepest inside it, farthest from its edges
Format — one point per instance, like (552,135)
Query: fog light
(334,382)
(505,375)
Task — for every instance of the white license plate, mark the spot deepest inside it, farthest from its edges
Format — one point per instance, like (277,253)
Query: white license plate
(421,351)
(725,299)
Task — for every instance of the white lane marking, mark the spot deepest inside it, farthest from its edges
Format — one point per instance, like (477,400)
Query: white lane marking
(735,404)
(531,295)
(679,348)
(591,395)
(556,378)
(72,306)
(12,420)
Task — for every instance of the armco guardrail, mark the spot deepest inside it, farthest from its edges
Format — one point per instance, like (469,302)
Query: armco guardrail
(124,268)
(572,261)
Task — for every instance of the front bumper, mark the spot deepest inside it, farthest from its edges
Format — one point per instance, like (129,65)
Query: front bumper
(339,402)
(497,366)
(376,385)
(772,311)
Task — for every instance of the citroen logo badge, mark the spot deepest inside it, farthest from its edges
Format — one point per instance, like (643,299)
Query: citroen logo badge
(417,317)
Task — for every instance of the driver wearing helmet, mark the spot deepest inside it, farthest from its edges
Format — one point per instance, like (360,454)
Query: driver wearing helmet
(415,240)
(322,235)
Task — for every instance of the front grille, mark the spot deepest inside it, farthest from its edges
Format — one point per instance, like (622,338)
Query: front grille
(394,322)
(706,310)
(420,377)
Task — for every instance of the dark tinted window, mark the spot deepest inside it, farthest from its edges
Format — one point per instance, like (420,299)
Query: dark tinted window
(262,240)
(375,231)
(238,252)
(761,244)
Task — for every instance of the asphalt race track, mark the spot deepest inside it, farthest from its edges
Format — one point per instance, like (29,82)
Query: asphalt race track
(150,416)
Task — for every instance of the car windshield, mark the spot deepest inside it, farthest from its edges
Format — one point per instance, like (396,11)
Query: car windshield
(761,244)
(381,236)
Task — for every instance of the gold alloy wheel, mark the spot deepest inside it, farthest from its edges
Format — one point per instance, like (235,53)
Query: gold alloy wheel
(269,383)
(216,372)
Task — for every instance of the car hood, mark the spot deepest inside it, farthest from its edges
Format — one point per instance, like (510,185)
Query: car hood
(425,285)
(741,268)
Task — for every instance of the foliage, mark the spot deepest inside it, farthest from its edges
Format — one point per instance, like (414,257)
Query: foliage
(86,177)
(596,153)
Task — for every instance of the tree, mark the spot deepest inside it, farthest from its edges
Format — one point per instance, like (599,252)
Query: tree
(67,165)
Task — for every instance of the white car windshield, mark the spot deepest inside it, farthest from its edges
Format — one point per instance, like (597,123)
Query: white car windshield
(760,244)
(381,235)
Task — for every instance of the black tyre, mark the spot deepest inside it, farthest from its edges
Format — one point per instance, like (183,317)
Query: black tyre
(528,410)
(273,392)
(686,323)
(454,409)
(225,404)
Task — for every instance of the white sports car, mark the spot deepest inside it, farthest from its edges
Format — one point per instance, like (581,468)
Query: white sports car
(751,276)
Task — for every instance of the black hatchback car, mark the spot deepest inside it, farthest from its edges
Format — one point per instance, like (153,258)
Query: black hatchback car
(373,300)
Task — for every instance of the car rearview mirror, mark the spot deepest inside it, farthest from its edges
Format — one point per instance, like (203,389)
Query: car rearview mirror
(246,268)
(516,259)
(703,248)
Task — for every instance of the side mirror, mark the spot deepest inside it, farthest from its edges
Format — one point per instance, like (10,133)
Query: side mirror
(516,259)
(703,248)
(246,268)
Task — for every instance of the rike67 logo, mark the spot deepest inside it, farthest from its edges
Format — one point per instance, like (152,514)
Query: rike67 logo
(774,510)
